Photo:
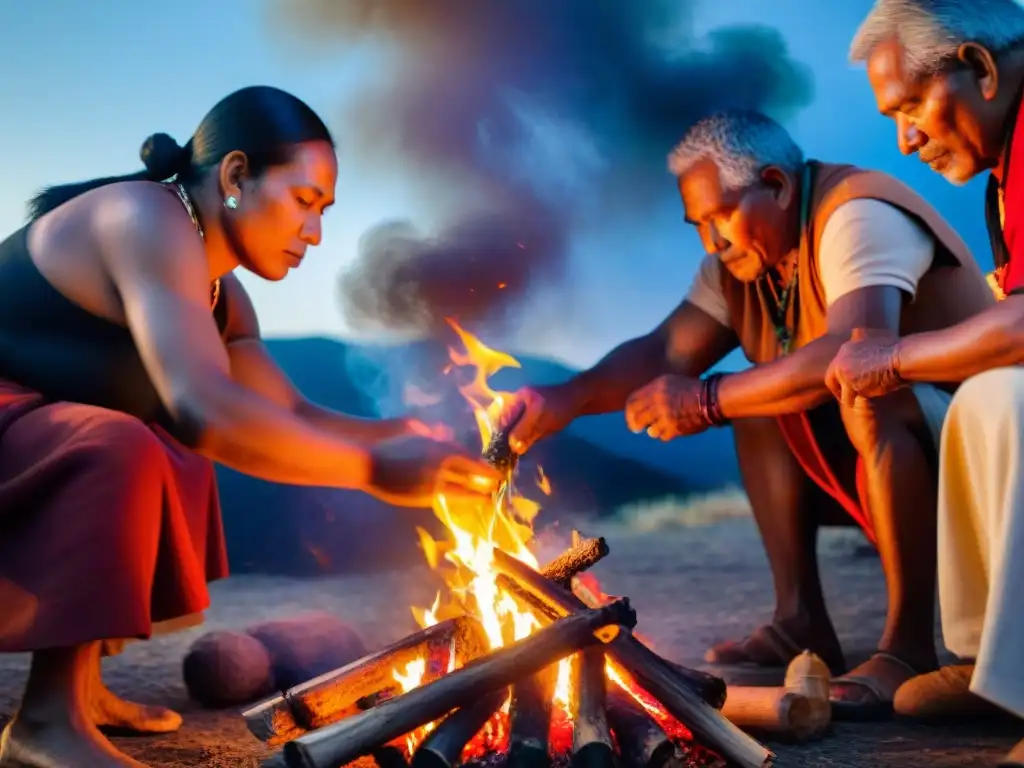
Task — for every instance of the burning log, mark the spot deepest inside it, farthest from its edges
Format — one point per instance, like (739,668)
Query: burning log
(342,742)
(530,720)
(389,756)
(444,746)
(273,721)
(574,561)
(591,738)
(710,688)
(335,695)
(554,602)
(706,723)
(642,742)
(652,673)
(530,711)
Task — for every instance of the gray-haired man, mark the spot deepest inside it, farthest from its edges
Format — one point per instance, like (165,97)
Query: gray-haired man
(800,253)
(951,74)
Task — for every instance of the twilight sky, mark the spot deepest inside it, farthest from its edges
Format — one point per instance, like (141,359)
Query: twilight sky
(84,83)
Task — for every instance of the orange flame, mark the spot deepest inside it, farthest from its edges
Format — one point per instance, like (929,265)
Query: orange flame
(465,557)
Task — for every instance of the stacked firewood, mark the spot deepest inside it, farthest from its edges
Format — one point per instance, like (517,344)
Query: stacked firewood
(355,711)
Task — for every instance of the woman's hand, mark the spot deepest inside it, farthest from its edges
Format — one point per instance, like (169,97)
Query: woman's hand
(412,471)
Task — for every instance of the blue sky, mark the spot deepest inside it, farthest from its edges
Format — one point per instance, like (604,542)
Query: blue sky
(84,83)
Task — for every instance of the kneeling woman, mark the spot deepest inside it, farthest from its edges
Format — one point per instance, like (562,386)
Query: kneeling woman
(130,359)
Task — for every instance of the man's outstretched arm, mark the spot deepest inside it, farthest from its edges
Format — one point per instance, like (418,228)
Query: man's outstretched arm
(991,339)
(687,342)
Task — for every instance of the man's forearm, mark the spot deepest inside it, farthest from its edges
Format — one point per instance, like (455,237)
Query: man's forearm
(362,430)
(791,384)
(991,339)
(605,387)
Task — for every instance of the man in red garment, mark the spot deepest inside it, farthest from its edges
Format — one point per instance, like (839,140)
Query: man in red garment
(951,74)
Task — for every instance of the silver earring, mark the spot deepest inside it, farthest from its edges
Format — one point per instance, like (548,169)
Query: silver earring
(231,202)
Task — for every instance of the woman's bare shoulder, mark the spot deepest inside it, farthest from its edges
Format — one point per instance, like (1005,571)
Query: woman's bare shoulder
(138,207)
(144,223)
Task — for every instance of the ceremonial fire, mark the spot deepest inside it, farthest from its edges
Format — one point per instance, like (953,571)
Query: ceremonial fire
(512,659)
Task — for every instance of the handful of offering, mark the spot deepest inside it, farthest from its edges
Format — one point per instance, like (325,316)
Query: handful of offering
(499,453)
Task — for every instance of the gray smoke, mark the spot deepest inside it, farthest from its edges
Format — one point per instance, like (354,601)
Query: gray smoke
(473,79)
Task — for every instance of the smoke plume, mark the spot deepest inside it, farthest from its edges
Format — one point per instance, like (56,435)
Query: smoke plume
(527,117)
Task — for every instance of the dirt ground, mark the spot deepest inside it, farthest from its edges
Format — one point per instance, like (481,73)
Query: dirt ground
(690,586)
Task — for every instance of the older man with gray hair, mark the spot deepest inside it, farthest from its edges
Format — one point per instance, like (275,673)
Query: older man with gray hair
(951,74)
(799,254)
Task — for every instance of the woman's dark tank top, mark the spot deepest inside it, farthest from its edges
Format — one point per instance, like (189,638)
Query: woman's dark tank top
(64,352)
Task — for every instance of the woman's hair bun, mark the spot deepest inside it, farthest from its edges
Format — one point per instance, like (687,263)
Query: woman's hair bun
(163,157)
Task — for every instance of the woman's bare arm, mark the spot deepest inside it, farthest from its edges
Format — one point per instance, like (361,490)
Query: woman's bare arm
(159,267)
(253,367)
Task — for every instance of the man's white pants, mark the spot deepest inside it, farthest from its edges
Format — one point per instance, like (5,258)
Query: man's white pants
(981,533)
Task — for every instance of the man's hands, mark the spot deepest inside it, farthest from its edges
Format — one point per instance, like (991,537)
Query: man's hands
(667,408)
(410,471)
(536,412)
(865,366)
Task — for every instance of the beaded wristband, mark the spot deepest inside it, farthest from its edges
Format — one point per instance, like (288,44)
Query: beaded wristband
(707,401)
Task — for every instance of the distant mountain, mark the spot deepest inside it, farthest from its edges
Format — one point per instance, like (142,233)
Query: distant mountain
(595,467)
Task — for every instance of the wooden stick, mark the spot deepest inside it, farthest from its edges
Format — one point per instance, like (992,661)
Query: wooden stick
(338,744)
(574,561)
(658,678)
(774,711)
(530,719)
(642,742)
(272,721)
(530,711)
(519,579)
(592,745)
(274,760)
(334,695)
(390,756)
(708,687)
(443,747)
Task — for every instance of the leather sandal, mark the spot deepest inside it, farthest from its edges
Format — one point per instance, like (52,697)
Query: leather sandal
(767,650)
(859,696)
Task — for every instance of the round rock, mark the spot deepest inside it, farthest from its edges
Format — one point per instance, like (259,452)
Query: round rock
(304,646)
(225,669)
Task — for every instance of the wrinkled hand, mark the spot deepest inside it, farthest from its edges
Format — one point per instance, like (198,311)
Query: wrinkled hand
(667,408)
(410,471)
(865,366)
(535,413)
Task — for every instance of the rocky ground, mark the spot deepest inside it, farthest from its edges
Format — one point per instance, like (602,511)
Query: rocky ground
(691,586)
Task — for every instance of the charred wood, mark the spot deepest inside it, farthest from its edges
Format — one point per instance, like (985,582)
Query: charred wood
(272,721)
(443,747)
(652,673)
(341,742)
(530,719)
(499,453)
(709,687)
(523,582)
(390,756)
(346,691)
(592,745)
(642,742)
